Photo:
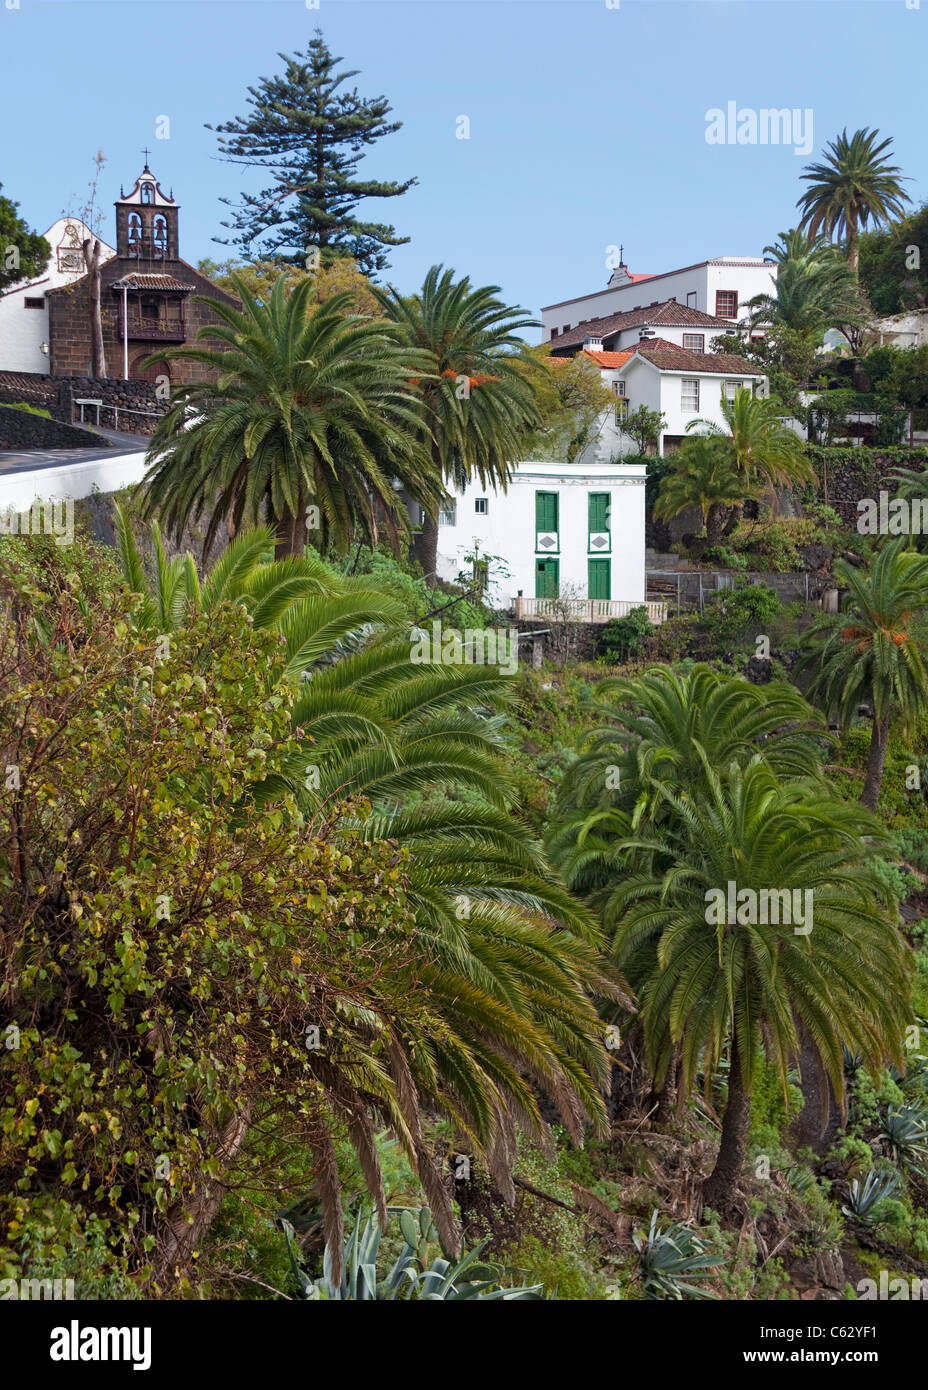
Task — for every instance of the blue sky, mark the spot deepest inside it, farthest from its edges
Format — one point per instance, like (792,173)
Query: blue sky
(587,123)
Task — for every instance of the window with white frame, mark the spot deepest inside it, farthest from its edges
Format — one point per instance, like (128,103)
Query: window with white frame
(689,394)
(481,505)
(730,389)
(619,388)
(448,513)
(696,342)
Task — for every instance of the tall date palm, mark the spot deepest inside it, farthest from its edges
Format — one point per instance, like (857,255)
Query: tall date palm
(476,403)
(852,185)
(306,405)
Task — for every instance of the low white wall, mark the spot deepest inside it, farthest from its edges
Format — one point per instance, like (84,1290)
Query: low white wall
(75,480)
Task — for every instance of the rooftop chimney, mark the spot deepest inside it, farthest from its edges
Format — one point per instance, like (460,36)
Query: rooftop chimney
(592,344)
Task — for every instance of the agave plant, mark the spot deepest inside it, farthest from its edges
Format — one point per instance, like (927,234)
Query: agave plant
(866,1195)
(906,1134)
(670,1257)
(800,1178)
(412,1277)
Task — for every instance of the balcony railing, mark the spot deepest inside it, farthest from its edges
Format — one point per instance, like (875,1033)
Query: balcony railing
(584,610)
(164,329)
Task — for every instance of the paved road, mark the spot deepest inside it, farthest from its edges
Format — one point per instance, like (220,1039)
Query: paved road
(28,460)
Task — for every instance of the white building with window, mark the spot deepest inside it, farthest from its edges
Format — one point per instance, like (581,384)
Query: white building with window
(562,531)
(681,384)
(719,288)
(24,308)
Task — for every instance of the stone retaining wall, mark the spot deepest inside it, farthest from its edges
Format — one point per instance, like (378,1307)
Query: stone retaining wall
(19,429)
(58,394)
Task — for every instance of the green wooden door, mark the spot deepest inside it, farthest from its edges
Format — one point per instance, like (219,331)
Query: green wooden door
(599,579)
(546,578)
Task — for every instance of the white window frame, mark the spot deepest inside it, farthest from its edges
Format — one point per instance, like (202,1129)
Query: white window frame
(700,338)
(448,513)
(689,381)
(483,510)
(729,389)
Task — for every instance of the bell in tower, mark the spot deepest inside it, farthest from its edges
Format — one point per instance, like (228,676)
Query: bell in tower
(146,222)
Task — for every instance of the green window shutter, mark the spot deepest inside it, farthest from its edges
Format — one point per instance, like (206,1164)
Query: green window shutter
(599,511)
(545,511)
(599,579)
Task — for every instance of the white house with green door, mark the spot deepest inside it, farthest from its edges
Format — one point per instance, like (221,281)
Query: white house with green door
(562,531)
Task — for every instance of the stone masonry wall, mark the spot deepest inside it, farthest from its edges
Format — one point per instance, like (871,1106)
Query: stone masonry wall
(21,430)
(57,396)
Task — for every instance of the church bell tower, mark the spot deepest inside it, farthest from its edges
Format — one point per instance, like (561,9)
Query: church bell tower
(146,223)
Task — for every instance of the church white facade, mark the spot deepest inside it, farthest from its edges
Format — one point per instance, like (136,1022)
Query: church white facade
(24,307)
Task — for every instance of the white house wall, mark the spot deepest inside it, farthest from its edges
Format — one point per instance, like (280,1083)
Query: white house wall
(630,337)
(508,529)
(657,390)
(696,286)
(22,330)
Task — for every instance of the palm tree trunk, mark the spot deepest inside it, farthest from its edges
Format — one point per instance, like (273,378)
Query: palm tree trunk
(290,535)
(853,248)
(669,1095)
(817,1121)
(734,519)
(715,522)
(720,1186)
(428,549)
(879,740)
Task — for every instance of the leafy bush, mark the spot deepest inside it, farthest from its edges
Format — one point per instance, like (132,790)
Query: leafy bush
(620,638)
(733,614)
(166,938)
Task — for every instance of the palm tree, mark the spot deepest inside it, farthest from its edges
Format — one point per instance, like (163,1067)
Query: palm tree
(415,754)
(476,403)
(853,185)
(757,982)
(765,451)
(704,476)
(815,288)
(873,650)
(307,406)
(912,487)
(658,730)
(663,728)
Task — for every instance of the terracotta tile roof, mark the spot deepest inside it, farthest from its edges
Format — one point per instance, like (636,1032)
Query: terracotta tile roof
(135,281)
(668,357)
(607,359)
(668,314)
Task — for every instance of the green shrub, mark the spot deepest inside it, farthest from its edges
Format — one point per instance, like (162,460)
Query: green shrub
(733,614)
(620,638)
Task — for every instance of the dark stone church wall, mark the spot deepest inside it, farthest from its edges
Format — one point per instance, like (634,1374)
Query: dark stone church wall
(69,322)
(21,430)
